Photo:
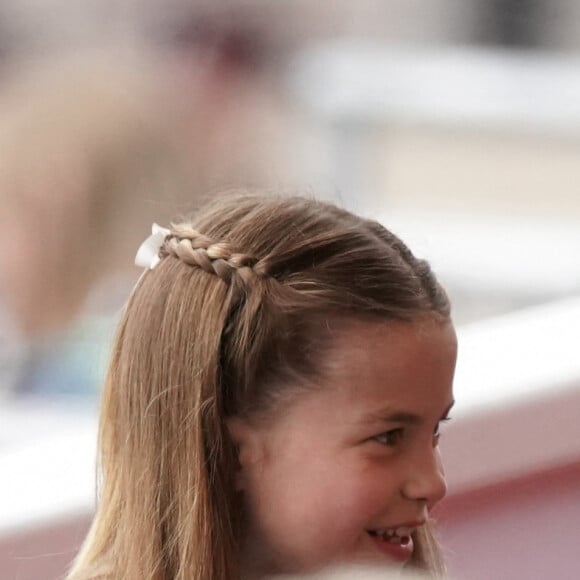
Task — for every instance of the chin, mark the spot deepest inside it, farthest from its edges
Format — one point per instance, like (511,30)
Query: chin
(348,571)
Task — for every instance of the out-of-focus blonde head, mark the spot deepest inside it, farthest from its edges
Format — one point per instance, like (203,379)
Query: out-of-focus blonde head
(95,147)
(85,155)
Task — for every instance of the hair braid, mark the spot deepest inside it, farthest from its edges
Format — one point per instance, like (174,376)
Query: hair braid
(218,258)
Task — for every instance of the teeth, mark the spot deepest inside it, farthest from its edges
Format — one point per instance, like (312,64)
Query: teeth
(394,535)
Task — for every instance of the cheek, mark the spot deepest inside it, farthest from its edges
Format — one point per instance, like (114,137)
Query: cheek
(296,493)
(316,510)
(371,491)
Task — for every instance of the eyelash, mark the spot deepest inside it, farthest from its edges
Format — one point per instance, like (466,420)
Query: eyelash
(437,433)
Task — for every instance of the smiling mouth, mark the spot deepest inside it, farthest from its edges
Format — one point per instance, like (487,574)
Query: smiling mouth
(400,536)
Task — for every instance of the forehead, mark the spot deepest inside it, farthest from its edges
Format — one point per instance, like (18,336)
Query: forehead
(400,364)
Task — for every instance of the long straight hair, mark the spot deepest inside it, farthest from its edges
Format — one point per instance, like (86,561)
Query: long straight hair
(225,325)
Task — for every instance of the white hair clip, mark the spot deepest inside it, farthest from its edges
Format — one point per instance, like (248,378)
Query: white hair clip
(148,252)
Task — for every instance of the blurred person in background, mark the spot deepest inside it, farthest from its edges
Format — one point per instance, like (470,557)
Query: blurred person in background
(82,152)
(97,145)
(84,158)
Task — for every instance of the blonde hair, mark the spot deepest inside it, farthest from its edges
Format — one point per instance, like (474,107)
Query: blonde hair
(223,325)
(81,142)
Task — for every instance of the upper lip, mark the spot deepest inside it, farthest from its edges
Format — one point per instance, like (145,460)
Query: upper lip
(411,524)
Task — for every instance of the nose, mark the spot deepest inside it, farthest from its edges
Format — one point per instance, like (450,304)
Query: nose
(425,481)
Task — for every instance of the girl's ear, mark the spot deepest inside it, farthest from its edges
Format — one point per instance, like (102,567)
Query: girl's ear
(247,441)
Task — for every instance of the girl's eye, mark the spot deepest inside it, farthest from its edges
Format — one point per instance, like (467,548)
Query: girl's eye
(390,438)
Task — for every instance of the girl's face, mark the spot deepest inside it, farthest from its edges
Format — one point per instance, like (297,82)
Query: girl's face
(353,457)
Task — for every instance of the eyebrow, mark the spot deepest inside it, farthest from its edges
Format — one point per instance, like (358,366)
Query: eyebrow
(405,417)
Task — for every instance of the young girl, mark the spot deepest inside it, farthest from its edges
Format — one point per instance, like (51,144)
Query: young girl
(274,400)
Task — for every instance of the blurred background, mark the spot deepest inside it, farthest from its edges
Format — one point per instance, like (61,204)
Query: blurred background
(455,123)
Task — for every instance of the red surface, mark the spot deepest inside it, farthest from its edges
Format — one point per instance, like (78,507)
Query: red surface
(521,530)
